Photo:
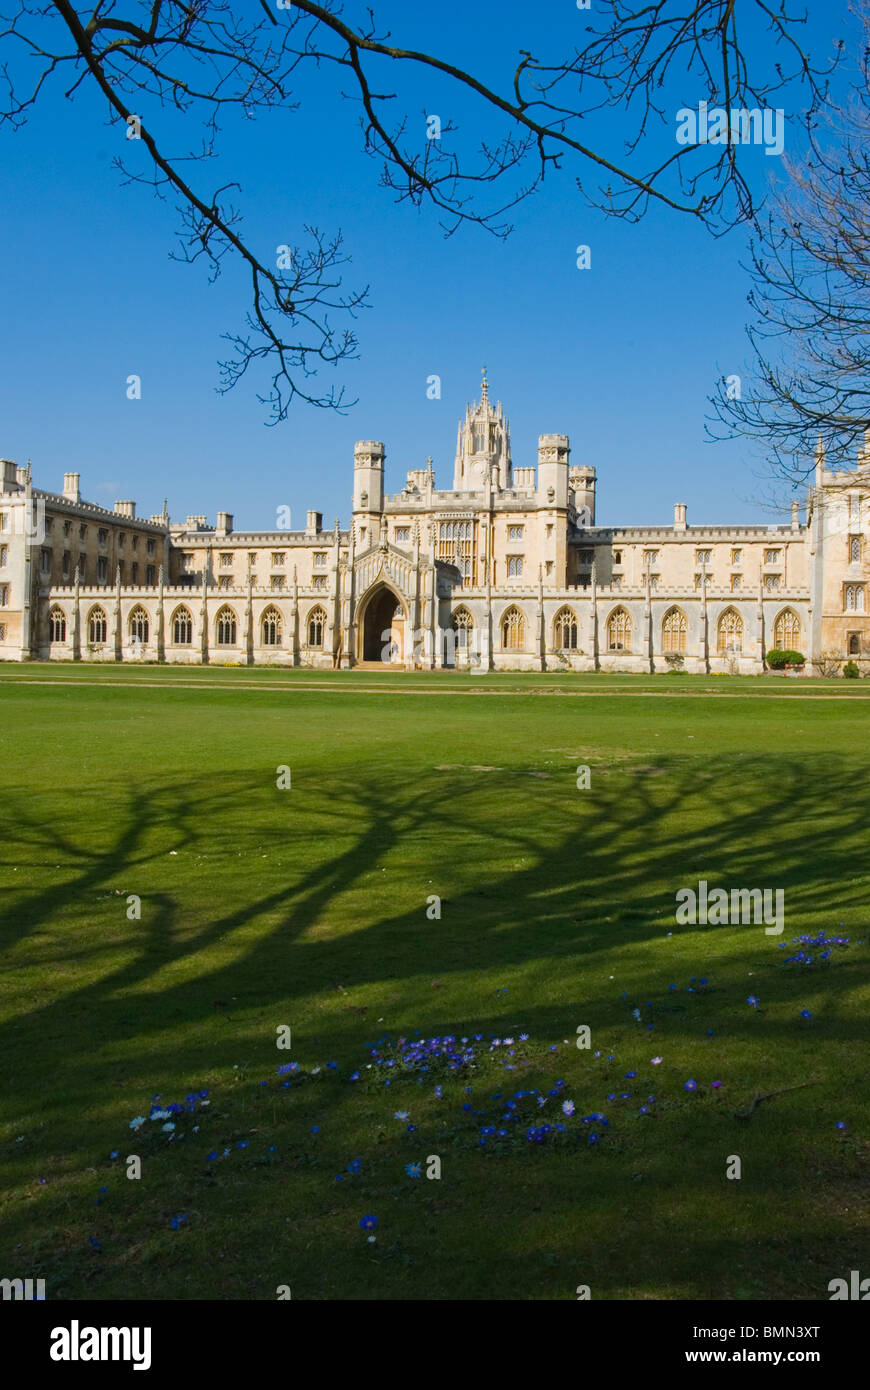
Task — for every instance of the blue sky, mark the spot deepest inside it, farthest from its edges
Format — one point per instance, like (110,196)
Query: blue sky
(621,357)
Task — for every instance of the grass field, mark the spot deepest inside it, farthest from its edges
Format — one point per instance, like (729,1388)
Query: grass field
(307,908)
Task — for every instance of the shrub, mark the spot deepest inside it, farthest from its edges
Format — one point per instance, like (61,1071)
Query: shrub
(827,664)
(675,661)
(777,659)
(850,671)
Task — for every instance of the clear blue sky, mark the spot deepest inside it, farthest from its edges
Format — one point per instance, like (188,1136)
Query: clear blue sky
(621,357)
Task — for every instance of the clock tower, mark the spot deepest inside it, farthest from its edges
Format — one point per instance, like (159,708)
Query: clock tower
(483,446)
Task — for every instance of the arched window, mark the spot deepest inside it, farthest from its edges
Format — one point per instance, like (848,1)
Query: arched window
(138,625)
(225,628)
(674,628)
(97,627)
(565,630)
(272,628)
(182,627)
(619,631)
(730,632)
(57,625)
(463,625)
(855,550)
(787,631)
(316,627)
(513,630)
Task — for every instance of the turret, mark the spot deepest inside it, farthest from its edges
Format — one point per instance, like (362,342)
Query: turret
(553,453)
(368,476)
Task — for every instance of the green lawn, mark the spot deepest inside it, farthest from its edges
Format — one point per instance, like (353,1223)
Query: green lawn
(307,907)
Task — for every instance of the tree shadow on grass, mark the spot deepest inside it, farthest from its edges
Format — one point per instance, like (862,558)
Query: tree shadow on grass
(598,875)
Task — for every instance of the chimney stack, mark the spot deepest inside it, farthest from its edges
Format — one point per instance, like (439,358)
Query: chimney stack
(679,516)
(71,487)
(126,509)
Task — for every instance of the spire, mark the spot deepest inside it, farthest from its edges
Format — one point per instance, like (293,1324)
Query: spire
(484,388)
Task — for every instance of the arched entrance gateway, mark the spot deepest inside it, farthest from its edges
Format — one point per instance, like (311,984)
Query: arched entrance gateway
(384,627)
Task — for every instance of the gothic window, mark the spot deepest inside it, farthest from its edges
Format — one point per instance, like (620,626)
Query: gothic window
(730,632)
(403,534)
(224,581)
(278,558)
(515,566)
(182,627)
(57,625)
(102,569)
(102,536)
(4,595)
(4,554)
(771,583)
(854,550)
(515,533)
(674,630)
(854,644)
(703,557)
(225,628)
(272,628)
(787,631)
(736,556)
(149,575)
(139,625)
(708,579)
(97,627)
(149,547)
(854,598)
(617,557)
(771,557)
(651,557)
(316,627)
(319,581)
(513,630)
(226,560)
(736,582)
(619,631)
(463,625)
(278,581)
(320,560)
(565,629)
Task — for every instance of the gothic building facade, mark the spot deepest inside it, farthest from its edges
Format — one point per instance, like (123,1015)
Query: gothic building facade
(506,570)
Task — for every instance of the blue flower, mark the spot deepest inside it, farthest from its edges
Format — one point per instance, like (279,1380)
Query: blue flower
(414,1170)
(114,1153)
(841,1124)
(168,1127)
(368,1222)
(401,1115)
(805,1013)
(209,1157)
(138,1122)
(567,1107)
(243,1144)
(690,1086)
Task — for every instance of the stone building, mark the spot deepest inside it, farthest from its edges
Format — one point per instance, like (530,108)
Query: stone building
(506,570)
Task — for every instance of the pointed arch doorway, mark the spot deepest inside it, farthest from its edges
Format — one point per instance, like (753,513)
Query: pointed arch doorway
(384,627)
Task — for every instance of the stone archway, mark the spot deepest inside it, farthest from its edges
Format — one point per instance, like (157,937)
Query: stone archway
(383,627)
